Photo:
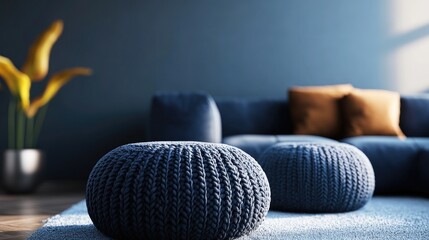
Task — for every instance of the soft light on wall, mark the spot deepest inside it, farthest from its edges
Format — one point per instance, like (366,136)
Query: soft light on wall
(408,48)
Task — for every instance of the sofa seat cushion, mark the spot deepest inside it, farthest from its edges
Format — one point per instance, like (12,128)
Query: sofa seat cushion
(394,161)
(423,172)
(256,144)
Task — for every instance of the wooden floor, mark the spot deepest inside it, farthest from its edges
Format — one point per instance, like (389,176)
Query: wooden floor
(21,215)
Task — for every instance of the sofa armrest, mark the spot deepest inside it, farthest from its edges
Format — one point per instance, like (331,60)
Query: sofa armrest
(184,117)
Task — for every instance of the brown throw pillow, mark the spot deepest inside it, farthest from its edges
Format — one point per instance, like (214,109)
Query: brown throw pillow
(371,112)
(316,110)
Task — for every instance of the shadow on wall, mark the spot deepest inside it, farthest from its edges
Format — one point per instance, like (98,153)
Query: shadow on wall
(409,37)
(408,48)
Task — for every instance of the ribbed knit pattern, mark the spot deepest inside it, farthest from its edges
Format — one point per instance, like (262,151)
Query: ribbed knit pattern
(318,177)
(177,190)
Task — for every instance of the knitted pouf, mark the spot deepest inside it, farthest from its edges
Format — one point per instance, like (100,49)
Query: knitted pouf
(318,177)
(177,190)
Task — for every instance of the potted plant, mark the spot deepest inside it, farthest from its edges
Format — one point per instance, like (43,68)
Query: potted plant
(22,163)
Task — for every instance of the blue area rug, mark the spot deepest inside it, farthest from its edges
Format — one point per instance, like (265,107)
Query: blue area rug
(381,218)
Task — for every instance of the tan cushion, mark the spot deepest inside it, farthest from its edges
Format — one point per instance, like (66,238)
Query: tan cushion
(316,110)
(371,112)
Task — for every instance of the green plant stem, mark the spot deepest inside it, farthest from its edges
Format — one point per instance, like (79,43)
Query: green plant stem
(20,131)
(40,118)
(29,132)
(11,123)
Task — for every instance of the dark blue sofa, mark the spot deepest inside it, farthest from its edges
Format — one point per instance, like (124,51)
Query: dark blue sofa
(401,166)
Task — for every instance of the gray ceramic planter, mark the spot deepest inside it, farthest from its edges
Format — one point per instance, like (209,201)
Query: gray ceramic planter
(22,170)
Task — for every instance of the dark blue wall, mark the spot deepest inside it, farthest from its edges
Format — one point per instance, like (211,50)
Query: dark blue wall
(246,48)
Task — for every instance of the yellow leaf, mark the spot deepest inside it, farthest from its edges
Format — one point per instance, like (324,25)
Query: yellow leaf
(54,85)
(37,64)
(18,83)
(8,74)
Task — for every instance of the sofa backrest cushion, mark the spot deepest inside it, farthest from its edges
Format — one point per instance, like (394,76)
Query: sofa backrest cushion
(414,120)
(185,116)
(177,116)
(254,116)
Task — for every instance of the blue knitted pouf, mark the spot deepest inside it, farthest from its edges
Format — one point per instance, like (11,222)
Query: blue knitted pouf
(318,177)
(177,190)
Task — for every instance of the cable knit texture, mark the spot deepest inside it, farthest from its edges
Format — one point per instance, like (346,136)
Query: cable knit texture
(177,190)
(318,177)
